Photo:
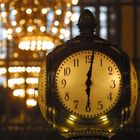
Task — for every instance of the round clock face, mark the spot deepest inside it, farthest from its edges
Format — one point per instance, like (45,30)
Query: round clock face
(88,83)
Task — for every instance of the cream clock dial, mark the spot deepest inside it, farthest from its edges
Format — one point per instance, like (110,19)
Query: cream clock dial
(84,95)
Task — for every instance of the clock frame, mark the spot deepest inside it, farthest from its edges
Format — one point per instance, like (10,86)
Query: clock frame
(103,124)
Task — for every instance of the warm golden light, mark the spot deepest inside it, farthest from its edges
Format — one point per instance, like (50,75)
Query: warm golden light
(74,17)
(31,102)
(104,118)
(44,11)
(19,93)
(69,13)
(16,69)
(72,118)
(42,28)
(58,12)
(75,2)
(2,71)
(10,31)
(56,23)
(2,5)
(3,14)
(15,81)
(70,122)
(39,27)
(14,12)
(32,92)
(31,80)
(30,29)
(64,129)
(28,11)
(39,22)
(14,23)
(18,29)
(36,43)
(61,36)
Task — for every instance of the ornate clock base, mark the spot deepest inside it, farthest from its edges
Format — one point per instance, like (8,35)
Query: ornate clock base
(89,135)
(88,138)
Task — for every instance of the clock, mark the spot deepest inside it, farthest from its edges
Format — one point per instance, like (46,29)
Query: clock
(71,83)
(87,87)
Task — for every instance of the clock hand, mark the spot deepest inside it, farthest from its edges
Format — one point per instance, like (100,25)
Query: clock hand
(88,83)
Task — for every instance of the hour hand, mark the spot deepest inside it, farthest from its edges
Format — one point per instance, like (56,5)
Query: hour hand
(88,100)
(89,82)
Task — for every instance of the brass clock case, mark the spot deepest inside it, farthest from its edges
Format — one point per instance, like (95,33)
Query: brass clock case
(91,85)
(116,114)
(62,73)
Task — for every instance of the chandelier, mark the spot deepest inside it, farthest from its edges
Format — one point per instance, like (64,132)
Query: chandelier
(36,24)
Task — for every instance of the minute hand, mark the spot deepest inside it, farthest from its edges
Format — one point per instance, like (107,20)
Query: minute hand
(88,81)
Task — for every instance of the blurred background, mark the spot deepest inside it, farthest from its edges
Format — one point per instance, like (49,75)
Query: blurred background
(28,30)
